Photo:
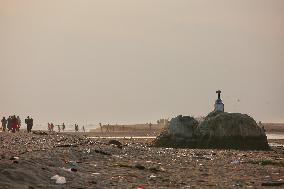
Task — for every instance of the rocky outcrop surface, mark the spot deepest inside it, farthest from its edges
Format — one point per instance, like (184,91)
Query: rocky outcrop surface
(179,134)
(230,130)
(218,130)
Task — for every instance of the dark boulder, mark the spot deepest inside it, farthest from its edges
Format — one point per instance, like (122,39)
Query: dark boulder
(220,130)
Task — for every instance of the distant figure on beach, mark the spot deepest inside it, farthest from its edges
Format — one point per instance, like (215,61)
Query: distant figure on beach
(107,128)
(83,128)
(76,128)
(63,127)
(49,127)
(4,123)
(14,124)
(101,127)
(52,127)
(19,123)
(150,126)
(9,123)
(29,122)
(58,126)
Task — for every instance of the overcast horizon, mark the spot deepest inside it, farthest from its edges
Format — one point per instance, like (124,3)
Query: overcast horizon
(138,61)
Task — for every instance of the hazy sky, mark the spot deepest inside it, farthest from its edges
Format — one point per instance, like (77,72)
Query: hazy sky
(133,61)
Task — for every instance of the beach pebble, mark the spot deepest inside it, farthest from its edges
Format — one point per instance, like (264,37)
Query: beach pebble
(138,166)
(74,169)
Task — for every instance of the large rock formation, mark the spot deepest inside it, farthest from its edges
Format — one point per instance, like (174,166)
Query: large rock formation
(183,126)
(230,130)
(179,133)
(218,130)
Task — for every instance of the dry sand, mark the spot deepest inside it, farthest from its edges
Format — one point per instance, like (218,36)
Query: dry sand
(103,165)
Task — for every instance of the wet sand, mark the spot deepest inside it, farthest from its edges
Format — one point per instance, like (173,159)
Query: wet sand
(30,160)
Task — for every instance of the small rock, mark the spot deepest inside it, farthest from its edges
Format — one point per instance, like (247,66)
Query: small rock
(138,166)
(74,170)
(93,182)
(115,142)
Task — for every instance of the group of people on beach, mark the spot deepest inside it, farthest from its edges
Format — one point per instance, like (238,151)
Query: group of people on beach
(77,128)
(111,128)
(50,127)
(61,128)
(13,124)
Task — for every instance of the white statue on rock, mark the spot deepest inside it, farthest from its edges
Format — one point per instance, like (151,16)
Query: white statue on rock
(219,106)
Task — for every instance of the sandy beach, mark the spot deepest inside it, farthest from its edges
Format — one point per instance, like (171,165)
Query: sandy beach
(30,160)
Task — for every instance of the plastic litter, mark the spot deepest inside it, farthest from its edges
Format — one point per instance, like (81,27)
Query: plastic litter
(141,187)
(58,179)
(61,180)
(55,177)
(235,162)
(65,169)
(152,176)
(14,158)
(95,174)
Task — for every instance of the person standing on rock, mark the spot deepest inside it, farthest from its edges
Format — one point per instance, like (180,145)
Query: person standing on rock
(58,126)
(83,128)
(4,123)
